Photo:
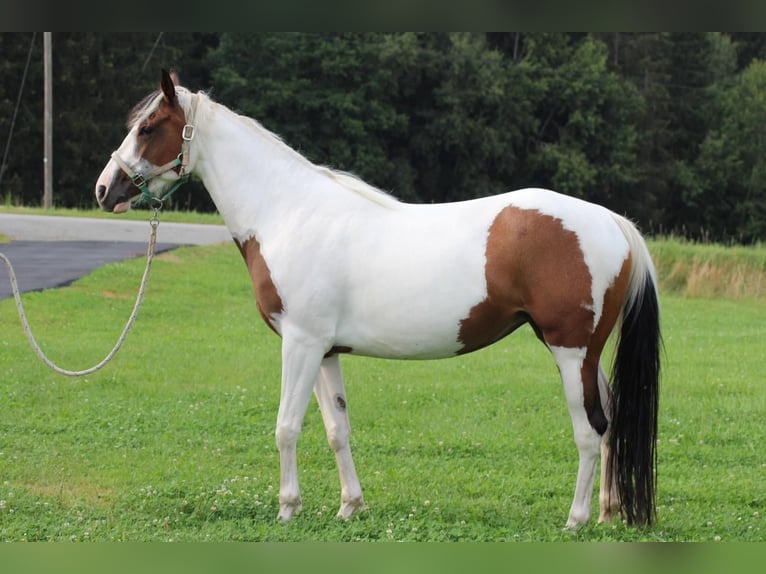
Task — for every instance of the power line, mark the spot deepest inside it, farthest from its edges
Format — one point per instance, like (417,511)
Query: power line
(151,52)
(16,110)
(48,120)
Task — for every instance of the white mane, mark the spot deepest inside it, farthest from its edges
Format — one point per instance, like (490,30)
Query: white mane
(357,185)
(342,178)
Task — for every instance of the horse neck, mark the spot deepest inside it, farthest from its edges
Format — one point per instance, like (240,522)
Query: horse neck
(256,181)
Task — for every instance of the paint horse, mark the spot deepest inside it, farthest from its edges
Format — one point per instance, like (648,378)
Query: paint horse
(339,266)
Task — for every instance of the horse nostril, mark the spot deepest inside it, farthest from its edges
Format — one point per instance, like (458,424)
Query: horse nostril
(100,193)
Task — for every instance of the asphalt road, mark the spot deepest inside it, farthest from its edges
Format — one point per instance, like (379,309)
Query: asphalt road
(48,252)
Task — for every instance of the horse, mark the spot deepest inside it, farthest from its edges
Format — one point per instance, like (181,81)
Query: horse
(340,267)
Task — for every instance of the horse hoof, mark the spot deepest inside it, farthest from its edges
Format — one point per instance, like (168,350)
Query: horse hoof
(574,524)
(288,510)
(608,512)
(351,507)
(606,517)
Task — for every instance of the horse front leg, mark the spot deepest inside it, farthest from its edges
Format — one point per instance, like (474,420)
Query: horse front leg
(300,368)
(331,396)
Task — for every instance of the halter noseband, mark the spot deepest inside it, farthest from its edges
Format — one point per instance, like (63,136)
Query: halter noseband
(141,180)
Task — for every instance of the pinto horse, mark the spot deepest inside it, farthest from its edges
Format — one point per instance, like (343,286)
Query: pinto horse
(339,266)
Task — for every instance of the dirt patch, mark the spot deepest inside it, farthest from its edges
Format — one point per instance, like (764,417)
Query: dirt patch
(72,493)
(113,295)
(169,257)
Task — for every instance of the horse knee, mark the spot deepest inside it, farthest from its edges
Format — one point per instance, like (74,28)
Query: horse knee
(286,435)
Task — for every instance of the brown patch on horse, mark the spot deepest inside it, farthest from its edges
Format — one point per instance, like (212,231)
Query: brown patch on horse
(159,134)
(591,395)
(266,295)
(613,302)
(535,272)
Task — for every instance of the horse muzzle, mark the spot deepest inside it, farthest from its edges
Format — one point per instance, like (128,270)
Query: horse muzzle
(115,198)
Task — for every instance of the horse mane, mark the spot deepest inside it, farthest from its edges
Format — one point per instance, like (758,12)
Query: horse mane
(357,185)
(347,180)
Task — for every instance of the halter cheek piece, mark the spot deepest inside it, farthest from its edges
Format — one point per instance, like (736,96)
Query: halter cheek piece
(141,180)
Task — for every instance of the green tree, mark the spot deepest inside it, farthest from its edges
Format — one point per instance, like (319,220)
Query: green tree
(469,110)
(586,141)
(431,117)
(749,46)
(674,75)
(729,195)
(326,94)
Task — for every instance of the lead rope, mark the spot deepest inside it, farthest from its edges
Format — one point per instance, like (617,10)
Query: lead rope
(154,222)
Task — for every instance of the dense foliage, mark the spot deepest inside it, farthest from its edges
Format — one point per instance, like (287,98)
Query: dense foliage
(665,127)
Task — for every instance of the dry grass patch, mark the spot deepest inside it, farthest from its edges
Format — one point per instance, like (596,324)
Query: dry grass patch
(709,270)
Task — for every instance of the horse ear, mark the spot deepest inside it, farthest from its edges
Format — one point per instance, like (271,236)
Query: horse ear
(168,87)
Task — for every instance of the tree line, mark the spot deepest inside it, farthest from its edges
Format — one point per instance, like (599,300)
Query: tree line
(667,128)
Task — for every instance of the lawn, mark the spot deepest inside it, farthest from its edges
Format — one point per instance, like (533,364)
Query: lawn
(174,439)
(140,214)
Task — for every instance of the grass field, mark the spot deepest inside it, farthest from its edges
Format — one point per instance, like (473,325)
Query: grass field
(140,214)
(174,439)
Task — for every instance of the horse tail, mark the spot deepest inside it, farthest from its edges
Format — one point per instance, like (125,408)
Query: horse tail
(635,383)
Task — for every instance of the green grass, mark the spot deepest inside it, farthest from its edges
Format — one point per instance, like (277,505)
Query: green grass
(139,214)
(174,439)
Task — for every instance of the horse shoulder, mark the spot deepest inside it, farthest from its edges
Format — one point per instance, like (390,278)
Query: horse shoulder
(267,296)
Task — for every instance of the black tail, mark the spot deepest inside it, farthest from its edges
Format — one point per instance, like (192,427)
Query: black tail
(633,430)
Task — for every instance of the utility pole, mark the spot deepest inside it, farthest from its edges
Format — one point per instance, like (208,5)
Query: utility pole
(48,124)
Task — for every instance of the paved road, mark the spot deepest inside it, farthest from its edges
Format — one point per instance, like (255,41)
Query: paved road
(50,228)
(49,251)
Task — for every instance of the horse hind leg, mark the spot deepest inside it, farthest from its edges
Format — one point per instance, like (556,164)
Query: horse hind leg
(331,396)
(609,500)
(577,367)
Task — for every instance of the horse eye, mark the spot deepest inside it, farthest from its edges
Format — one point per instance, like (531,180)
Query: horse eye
(144,131)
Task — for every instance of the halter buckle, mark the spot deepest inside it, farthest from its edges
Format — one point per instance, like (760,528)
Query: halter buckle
(139,180)
(188,133)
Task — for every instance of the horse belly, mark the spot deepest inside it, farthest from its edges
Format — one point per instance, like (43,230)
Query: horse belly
(430,332)
(408,301)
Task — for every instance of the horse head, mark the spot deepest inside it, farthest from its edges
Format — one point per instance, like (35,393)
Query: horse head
(152,159)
